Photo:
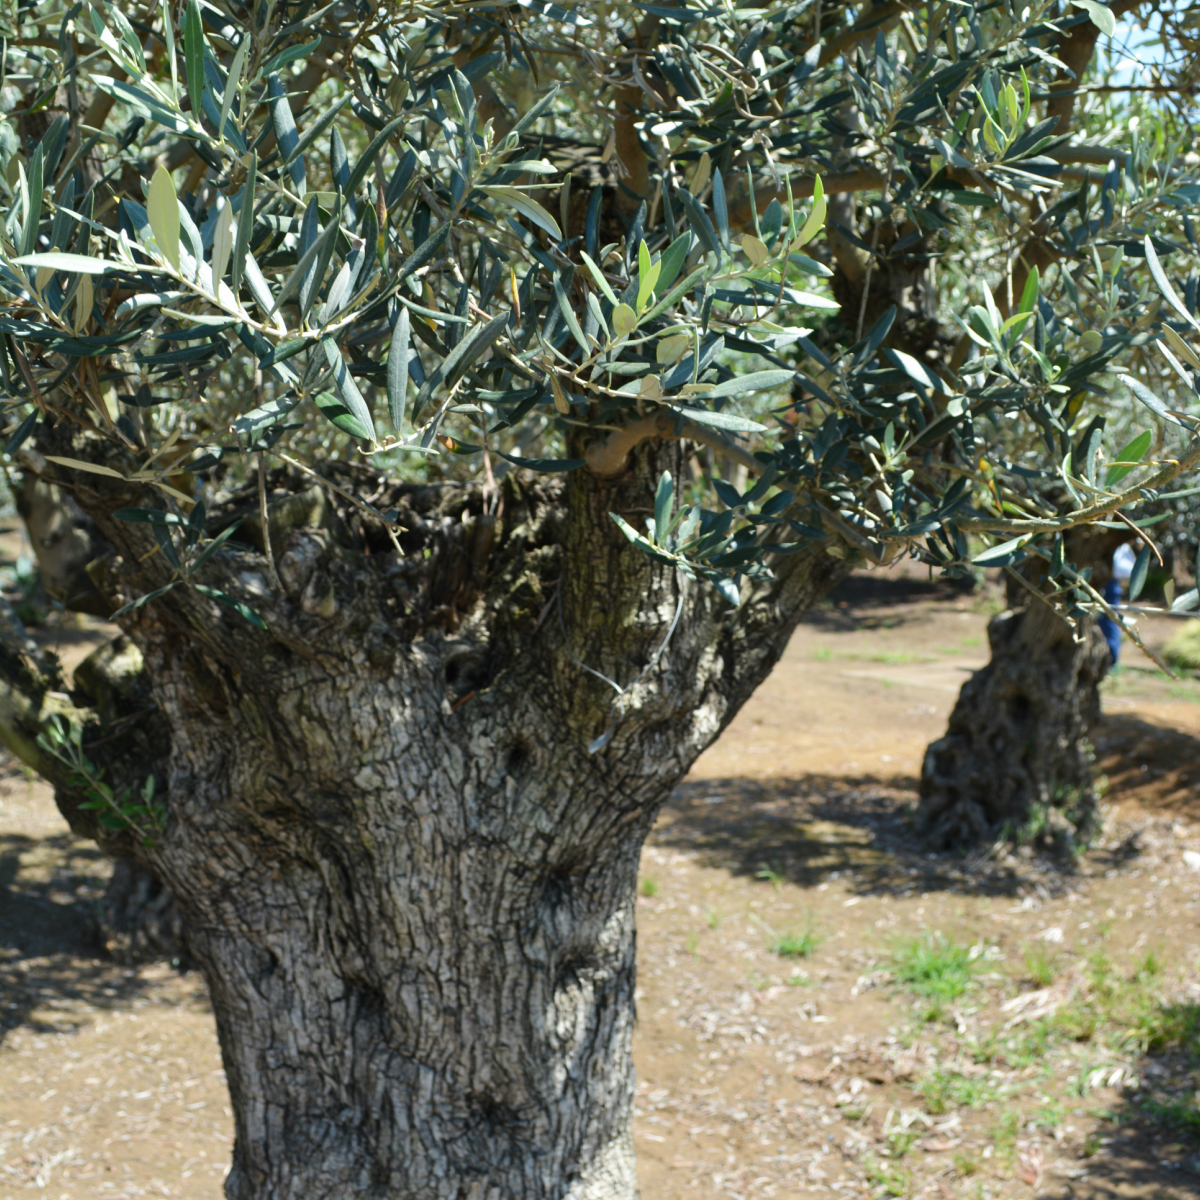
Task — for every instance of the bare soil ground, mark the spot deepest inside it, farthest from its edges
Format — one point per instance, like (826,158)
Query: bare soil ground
(824,1009)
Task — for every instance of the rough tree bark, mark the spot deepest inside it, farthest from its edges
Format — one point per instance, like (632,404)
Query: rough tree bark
(409,883)
(1015,760)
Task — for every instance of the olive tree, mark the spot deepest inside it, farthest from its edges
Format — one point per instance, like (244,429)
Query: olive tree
(1016,760)
(468,409)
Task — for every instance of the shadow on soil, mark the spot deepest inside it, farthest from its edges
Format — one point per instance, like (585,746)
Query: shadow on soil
(819,827)
(50,957)
(1151,1139)
(856,602)
(1161,762)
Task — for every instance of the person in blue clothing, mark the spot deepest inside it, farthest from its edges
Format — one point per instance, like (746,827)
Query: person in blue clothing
(1114,590)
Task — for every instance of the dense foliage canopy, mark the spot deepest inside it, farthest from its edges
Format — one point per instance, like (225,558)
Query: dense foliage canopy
(451,239)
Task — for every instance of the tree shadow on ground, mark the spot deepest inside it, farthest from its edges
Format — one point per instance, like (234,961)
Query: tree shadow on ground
(1155,762)
(870,600)
(818,827)
(815,828)
(52,968)
(1149,1144)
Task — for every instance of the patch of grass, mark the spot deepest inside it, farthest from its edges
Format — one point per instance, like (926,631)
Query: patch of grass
(965,1165)
(1151,967)
(896,658)
(901,1141)
(649,887)
(1004,1135)
(942,1089)
(1180,1113)
(1183,649)
(822,654)
(890,1180)
(1042,964)
(770,874)
(796,945)
(1050,1116)
(693,943)
(1029,1046)
(987,1048)
(1170,1026)
(798,979)
(1124,1011)
(714,917)
(935,968)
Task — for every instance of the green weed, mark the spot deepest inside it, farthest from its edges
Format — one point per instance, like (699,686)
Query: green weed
(942,1089)
(935,968)
(1050,1116)
(1004,1135)
(1180,1113)
(770,874)
(796,945)
(901,1141)
(965,1165)
(1169,1026)
(890,1180)
(650,886)
(1042,964)
(1030,1046)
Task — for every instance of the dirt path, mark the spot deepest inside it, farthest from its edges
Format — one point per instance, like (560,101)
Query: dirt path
(823,1010)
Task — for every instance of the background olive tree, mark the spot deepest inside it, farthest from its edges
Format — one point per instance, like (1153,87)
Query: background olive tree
(466,401)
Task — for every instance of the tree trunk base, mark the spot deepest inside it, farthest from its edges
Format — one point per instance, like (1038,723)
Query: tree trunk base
(138,918)
(1015,762)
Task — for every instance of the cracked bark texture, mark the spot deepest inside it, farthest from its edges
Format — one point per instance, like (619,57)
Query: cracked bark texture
(1015,760)
(409,884)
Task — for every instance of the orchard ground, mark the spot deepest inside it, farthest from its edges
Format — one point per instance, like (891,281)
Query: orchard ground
(824,1009)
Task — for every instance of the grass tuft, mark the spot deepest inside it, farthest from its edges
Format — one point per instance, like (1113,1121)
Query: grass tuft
(935,968)
(649,887)
(796,945)
(1041,964)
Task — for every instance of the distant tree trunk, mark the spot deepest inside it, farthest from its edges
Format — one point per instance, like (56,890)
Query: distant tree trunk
(404,824)
(138,918)
(1015,760)
(64,541)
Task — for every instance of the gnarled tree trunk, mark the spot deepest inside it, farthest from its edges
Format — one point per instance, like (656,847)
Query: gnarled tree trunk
(404,823)
(1015,760)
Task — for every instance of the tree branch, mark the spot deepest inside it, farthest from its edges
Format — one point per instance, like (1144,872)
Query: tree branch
(606,458)
(627,103)
(1084,516)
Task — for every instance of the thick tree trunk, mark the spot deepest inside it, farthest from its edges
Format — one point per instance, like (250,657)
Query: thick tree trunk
(404,825)
(1015,761)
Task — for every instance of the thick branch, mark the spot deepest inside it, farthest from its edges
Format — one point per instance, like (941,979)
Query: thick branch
(607,458)
(28,699)
(1075,50)
(628,100)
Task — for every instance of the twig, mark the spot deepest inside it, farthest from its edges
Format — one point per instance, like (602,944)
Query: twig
(1142,534)
(266,524)
(1102,508)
